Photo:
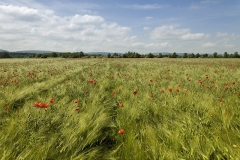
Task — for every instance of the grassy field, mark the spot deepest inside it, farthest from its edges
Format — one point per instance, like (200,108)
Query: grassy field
(129,109)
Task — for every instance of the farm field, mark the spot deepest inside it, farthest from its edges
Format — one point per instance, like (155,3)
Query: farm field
(129,109)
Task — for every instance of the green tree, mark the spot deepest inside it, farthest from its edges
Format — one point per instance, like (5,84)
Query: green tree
(81,54)
(174,55)
(235,55)
(192,55)
(160,55)
(185,55)
(150,55)
(54,54)
(215,55)
(197,55)
(109,55)
(4,55)
(225,55)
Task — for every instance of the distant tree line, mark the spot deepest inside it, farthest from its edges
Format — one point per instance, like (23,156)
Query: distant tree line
(128,54)
(173,55)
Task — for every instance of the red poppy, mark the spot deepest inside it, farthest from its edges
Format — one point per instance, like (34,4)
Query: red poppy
(90,81)
(77,108)
(162,90)
(135,92)
(226,89)
(44,105)
(235,92)
(120,104)
(151,95)
(151,80)
(179,85)
(75,101)
(7,107)
(170,89)
(51,100)
(177,90)
(113,93)
(220,100)
(36,104)
(121,131)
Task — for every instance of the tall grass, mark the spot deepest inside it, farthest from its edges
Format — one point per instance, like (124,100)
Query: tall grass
(199,119)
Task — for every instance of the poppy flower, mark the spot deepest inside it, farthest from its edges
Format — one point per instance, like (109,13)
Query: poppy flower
(151,95)
(170,89)
(44,105)
(36,104)
(226,89)
(7,107)
(121,131)
(177,90)
(75,101)
(77,108)
(51,100)
(120,104)
(162,90)
(135,92)
(113,93)
(220,100)
(90,81)
(179,85)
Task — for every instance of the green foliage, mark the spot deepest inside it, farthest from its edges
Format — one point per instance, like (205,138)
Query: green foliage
(4,55)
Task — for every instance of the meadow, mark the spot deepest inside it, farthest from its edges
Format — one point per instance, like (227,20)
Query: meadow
(131,109)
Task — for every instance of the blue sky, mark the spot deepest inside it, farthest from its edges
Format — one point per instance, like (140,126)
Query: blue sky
(198,26)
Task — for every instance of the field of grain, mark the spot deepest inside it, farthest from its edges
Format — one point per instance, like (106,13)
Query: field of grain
(129,109)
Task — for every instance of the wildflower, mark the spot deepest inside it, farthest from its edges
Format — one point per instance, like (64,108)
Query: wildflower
(135,92)
(177,90)
(113,93)
(77,108)
(7,107)
(170,89)
(162,90)
(75,101)
(120,104)
(220,100)
(121,131)
(151,95)
(51,100)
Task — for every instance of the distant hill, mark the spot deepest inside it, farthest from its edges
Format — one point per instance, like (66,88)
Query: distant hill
(33,51)
(2,50)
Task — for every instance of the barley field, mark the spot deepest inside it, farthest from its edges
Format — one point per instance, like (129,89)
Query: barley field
(119,109)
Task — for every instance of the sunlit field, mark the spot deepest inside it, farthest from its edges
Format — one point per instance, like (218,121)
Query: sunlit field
(131,109)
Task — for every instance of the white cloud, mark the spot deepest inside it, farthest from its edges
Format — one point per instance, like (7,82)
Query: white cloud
(220,34)
(146,28)
(209,45)
(31,27)
(174,33)
(146,6)
(86,19)
(190,36)
(148,18)
(209,1)
(165,44)
(18,13)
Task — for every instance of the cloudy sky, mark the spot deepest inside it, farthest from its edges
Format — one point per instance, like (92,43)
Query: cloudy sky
(198,26)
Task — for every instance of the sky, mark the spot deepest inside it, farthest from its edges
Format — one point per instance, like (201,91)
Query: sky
(192,26)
